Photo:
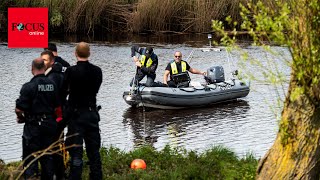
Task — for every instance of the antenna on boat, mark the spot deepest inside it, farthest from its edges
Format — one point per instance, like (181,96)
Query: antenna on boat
(233,73)
(190,56)
(209,38)
(210,48)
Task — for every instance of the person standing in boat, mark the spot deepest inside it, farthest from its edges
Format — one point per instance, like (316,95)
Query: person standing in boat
(146,66)
(178,67)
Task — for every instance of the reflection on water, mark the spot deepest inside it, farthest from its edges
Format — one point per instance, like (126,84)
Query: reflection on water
(247,125)
(195,40)
(182,125)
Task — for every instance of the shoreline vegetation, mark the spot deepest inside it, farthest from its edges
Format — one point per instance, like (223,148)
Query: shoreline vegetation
(145,17)
(169,163)
(130,16)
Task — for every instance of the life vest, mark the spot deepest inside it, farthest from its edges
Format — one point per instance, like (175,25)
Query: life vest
(143,59)
(174,68)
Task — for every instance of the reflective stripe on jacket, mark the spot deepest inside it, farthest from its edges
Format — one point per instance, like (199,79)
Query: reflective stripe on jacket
(174,69)
(143,59)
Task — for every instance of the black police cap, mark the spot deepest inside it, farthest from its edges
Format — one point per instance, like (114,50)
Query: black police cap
(51,47)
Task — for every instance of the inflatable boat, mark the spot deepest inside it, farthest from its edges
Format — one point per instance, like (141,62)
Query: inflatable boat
(215,91)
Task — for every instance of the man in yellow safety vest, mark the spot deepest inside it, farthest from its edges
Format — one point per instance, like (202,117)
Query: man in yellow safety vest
(146,65)
(179,67)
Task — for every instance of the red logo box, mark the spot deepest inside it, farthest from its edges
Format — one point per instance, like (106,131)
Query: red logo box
(27,27)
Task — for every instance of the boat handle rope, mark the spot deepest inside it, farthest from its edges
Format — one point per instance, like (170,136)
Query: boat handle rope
(222,87)
(183,89)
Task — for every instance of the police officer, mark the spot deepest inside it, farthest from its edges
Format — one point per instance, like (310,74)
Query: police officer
(146,66)
(178,66)
(36,107)
(55,73)
(54,70)
(53,48)
(83,82)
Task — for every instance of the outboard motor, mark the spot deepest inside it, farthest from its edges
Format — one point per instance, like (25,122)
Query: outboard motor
(215,74)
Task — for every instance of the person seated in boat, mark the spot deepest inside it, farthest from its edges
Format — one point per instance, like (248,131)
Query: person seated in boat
(146,66)
(178,70)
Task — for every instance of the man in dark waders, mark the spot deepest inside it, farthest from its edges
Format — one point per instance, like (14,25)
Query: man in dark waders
(83,81)
(146,66)
(36,108)
(54,71)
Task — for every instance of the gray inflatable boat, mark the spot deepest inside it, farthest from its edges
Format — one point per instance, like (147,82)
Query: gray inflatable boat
(217,90)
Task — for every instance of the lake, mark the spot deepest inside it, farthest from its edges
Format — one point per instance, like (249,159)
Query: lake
(246,125)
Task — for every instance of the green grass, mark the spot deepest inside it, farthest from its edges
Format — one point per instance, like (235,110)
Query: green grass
(215,163)
(168,163)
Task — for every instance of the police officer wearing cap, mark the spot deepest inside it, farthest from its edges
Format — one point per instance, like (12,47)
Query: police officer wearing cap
(36,107)
(83,82)
(53,48)
(146,66)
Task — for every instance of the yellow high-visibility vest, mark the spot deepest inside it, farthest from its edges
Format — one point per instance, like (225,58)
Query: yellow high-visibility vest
(174,69)
(143,59)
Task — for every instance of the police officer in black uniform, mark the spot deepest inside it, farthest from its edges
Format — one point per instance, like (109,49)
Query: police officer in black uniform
(53,48)
(54,71)
(83,82)
(36,107)
(146,66)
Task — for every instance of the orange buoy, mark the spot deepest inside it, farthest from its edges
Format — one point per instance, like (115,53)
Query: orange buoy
(138,164)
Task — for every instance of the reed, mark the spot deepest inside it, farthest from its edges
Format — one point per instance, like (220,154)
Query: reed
(181,15)
(84,15)
(138,16)
(2,22)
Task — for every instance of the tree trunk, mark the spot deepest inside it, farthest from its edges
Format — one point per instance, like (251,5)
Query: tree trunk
(295,153)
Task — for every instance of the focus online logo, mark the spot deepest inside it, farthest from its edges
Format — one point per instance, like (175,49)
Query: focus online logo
(34,29)
(27,27)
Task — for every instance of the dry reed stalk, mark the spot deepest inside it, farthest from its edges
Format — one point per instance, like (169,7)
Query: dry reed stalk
(89,14)
(181,15)
(155,15)
(147,16)
(54,148)
(2,20)
(202,12)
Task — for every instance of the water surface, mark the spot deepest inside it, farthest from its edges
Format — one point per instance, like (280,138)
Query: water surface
(246,125)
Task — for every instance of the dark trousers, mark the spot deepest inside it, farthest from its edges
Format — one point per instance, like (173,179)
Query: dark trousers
(37,137)
(84,126)
(171,84)
(139,76)
(58,163)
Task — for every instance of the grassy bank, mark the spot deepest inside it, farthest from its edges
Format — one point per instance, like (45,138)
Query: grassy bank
(136,16)
(215,163)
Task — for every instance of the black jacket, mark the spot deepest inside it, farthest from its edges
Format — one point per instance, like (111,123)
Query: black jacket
(61,61)
(144,70)
(39,96)
(56,74)
(179,68)
(82,83)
